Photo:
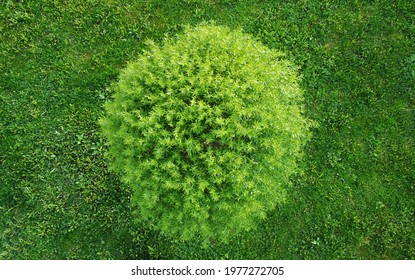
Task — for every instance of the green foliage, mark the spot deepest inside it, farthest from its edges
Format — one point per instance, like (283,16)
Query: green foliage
(207,130)
(353,200)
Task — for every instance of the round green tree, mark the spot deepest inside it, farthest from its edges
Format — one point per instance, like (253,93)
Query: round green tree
(206,129)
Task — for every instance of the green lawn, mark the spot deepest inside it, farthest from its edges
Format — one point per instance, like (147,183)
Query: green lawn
(355,198)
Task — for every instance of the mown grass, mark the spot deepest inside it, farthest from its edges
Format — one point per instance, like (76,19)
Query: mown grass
(353,200)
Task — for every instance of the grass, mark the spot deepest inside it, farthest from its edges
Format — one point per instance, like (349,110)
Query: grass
(353,200)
